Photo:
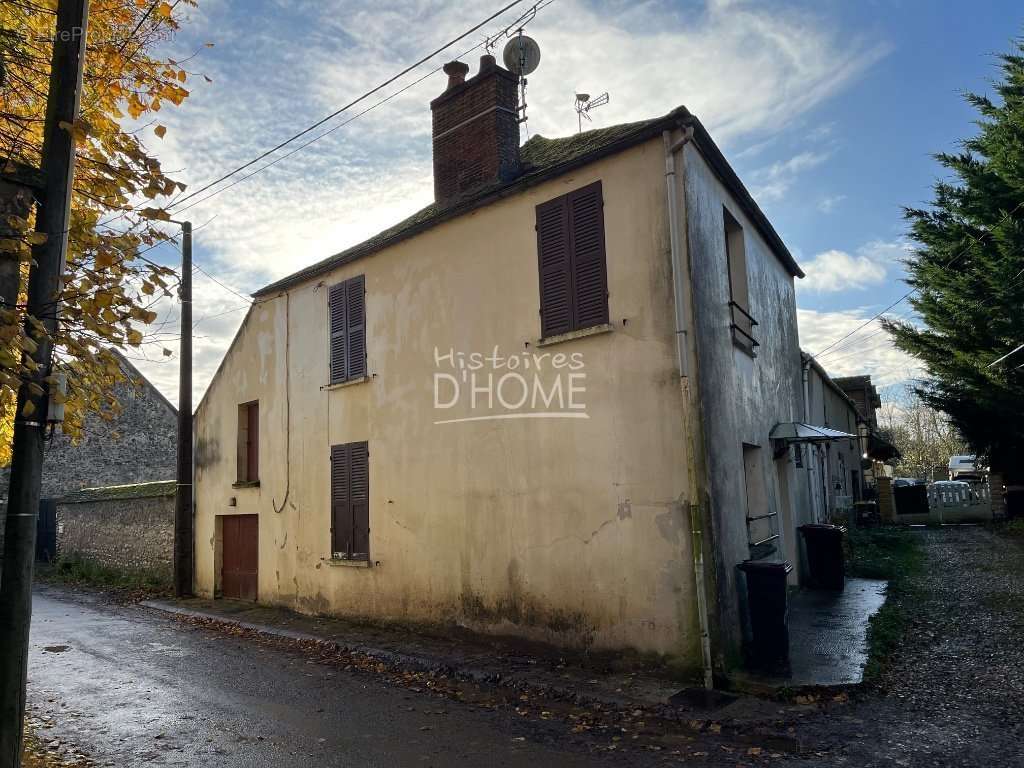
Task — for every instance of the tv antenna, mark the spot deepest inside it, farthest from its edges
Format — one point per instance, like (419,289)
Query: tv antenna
(521,57)
(584,104)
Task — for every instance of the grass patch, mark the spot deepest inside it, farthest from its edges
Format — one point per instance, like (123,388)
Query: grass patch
(1015,527)
(893,554)
(89,573)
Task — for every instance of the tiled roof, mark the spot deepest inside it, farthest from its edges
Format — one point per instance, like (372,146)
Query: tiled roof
(543,159)
(118,492)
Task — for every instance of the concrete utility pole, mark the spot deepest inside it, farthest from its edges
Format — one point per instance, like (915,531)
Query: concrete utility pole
(44,286)
(183,497)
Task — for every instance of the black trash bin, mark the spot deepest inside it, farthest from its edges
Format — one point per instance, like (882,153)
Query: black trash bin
(768,609)
(825,555)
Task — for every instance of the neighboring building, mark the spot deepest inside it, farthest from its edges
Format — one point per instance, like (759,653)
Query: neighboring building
(864,395)
(126,527)
(836,468)
(138,445)
(512,410)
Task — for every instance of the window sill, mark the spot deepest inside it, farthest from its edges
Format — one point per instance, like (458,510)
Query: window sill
(594,330)
(343,384)
(246,484)
(348,563)
(743,344)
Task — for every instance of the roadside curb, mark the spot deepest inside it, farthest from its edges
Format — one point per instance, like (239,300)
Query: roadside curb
(420,663)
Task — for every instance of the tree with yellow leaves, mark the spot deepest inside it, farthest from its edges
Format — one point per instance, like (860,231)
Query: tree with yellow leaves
(110,285)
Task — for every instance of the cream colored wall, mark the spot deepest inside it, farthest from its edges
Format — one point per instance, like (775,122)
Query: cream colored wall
(571,530)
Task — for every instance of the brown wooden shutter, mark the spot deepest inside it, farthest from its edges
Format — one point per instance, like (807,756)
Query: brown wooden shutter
(555,267)
(350,500)
(341,507)
(590,272)
(336,311)
(359,496)
(355,327)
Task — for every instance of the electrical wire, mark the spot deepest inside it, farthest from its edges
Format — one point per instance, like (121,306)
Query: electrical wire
(912,291)
(348,106)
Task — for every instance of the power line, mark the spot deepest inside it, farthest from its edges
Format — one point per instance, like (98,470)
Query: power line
(351,104)
(227,288)
(912,291)
(1011,352)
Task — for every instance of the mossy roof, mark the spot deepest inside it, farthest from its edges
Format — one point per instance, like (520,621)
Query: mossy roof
(119,492)
(542,159)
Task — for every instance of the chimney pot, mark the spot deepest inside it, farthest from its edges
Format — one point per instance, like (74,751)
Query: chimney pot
(456,71)
(487,62)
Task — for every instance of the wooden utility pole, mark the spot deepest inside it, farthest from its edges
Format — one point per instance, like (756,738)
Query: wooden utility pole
(44,286)
(183,497)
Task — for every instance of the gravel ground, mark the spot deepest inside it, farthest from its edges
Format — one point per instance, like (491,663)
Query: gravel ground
(953,694)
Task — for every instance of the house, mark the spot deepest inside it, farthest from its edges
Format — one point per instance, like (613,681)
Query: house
(864,395)
(835,468)
(541,406)
(136,445)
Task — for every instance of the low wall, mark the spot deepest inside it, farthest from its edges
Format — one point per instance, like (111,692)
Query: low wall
(129,534)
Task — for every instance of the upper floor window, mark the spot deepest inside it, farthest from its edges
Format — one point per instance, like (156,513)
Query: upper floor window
(347,312)
(249,442)
(572,262)
(741,321)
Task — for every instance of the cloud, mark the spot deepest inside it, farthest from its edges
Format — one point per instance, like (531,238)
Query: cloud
(828,204)
(750,71)
(834,270)
(868,351)
(771,183)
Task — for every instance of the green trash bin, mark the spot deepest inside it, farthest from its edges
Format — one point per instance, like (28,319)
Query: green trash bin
(825,559)
(768,610)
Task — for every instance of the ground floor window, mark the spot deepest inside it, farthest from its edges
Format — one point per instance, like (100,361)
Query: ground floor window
(350,501)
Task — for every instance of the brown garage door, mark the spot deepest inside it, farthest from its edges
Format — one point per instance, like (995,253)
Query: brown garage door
(240,556)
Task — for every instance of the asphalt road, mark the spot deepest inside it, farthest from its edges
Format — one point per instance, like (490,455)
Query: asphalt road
(129,686)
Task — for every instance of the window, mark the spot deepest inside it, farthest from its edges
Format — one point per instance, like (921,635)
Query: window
(350,501)
(741,322)
(762,522)
(249,443)
(347,312)
(571,261)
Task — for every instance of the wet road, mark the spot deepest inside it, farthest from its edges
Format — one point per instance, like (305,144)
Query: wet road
(129,686)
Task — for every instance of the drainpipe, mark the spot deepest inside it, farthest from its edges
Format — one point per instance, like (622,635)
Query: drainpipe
(681,306)
(811,459)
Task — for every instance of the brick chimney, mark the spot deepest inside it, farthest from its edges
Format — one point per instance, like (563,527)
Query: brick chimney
(476,129)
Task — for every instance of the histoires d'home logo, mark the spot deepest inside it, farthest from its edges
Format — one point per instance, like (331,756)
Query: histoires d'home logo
(477,386)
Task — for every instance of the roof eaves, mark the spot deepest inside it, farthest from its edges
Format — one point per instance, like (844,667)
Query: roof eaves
(644,131)
(641,131)
(733,183)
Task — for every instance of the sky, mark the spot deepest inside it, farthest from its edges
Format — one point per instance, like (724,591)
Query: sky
(829,110)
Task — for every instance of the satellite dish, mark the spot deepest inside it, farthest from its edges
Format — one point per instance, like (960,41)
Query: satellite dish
(521,55)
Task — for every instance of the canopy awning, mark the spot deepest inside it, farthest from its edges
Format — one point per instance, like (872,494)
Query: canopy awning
(798,432)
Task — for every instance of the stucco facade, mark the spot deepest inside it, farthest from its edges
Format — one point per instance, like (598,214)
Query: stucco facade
(569,523)
(742,397)
(836,472)
(569,529)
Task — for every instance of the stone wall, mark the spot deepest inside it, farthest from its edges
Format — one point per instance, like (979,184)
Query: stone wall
(138,445)
(126,534)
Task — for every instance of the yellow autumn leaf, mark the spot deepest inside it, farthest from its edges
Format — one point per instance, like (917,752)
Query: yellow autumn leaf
(28,409)
(165,9)
(160,130)
(134,337)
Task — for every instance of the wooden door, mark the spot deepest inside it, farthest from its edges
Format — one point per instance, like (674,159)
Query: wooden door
(240,556)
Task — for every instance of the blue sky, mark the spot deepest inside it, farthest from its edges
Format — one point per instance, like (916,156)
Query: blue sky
(828,110)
